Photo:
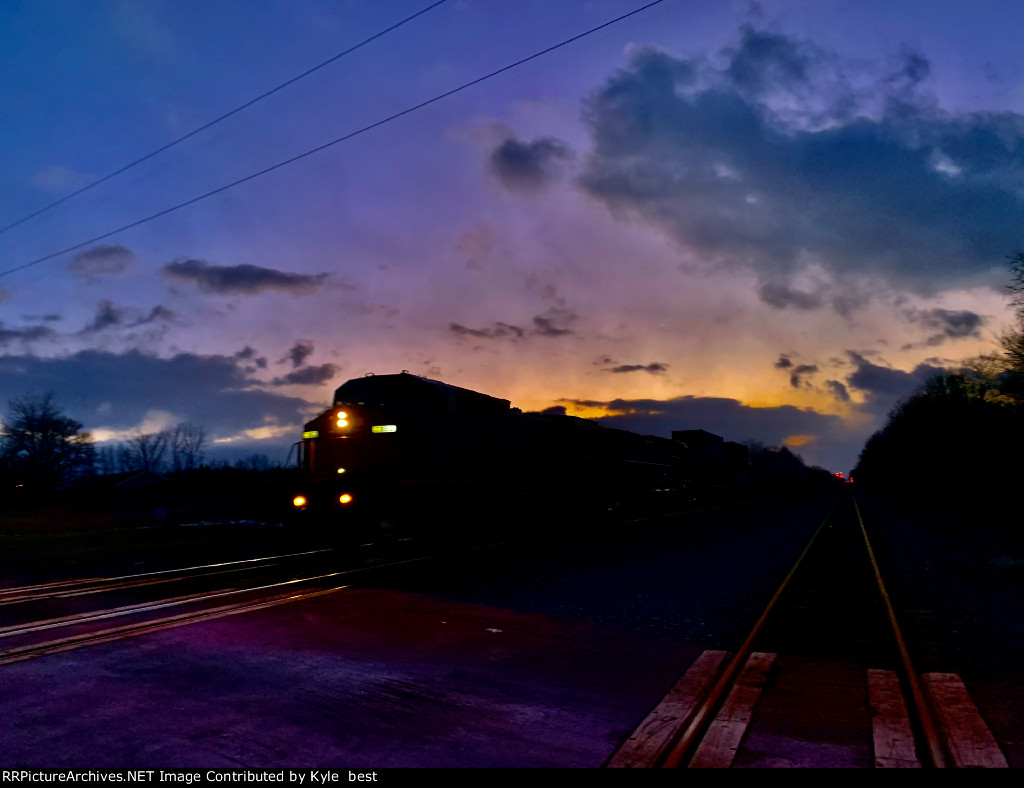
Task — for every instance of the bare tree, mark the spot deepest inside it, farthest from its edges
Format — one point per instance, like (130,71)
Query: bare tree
(106,460)
(1012,343)
(147,450)
(254,462)
(1012,339)
(42,445)
(1016,287)
(125,459)
(187,440)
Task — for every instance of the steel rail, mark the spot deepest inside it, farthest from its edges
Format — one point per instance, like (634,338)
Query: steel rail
(62,586)
(147,607)
(682,746)
(124,632)
(22,653)
(40,625)
(133,584)
(934,743)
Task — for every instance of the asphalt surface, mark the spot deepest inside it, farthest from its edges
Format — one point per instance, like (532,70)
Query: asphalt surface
(960,588)
(546,655)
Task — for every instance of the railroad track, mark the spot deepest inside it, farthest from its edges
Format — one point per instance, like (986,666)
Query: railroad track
(29,631)
(825,669)
(63,615)
(48,618)
(63,589)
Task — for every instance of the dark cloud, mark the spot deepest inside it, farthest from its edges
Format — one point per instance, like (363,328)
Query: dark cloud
(299,352)
(914,69)
(102,260)
(948,324)
(497,331)
(160,314)
(553,323)
(837,390)
(527,166)
(109,315)
(765,62)
(770,158)
(844,303)
(242,279)
(50,318)
(832,445)
(250,354)
(883,386)
(799,373)
(780,296)
(28,334)
(586,403)
(308,376)
(726,417)
(655,367)
(116,390)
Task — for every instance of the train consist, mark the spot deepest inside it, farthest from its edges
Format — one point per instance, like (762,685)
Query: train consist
(394,446)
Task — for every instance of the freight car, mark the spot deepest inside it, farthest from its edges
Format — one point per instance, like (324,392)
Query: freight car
(407,448)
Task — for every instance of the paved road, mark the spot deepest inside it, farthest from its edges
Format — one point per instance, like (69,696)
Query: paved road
(961,587)
(548,655)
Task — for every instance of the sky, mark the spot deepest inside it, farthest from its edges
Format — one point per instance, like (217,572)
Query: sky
(769,220)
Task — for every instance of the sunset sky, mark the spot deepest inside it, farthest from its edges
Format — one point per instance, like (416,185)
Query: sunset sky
(770,220)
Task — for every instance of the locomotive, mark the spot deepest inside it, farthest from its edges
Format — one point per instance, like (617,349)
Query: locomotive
(397,447)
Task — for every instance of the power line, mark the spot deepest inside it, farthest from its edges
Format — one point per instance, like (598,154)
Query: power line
(326,145)
(217,120)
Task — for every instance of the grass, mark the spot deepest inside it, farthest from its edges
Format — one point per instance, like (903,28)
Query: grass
(61,537)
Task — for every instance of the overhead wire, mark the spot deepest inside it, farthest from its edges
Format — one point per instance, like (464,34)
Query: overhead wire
(218,119)
(333,142)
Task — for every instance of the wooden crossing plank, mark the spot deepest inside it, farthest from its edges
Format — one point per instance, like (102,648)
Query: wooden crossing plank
(890,724)
(647,745)
(719,746)
(970,742)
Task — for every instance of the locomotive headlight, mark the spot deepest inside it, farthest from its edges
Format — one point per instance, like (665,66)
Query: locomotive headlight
(344,498)
(342,423)
(341,470)
(299,501)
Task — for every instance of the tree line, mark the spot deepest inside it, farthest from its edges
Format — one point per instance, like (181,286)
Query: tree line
(180,448)
(954,444)
(44,449)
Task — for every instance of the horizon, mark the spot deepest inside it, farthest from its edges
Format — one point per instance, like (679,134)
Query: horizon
(771,222)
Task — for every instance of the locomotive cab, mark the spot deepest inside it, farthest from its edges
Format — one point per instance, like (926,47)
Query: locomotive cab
(345,455)
(389,442)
